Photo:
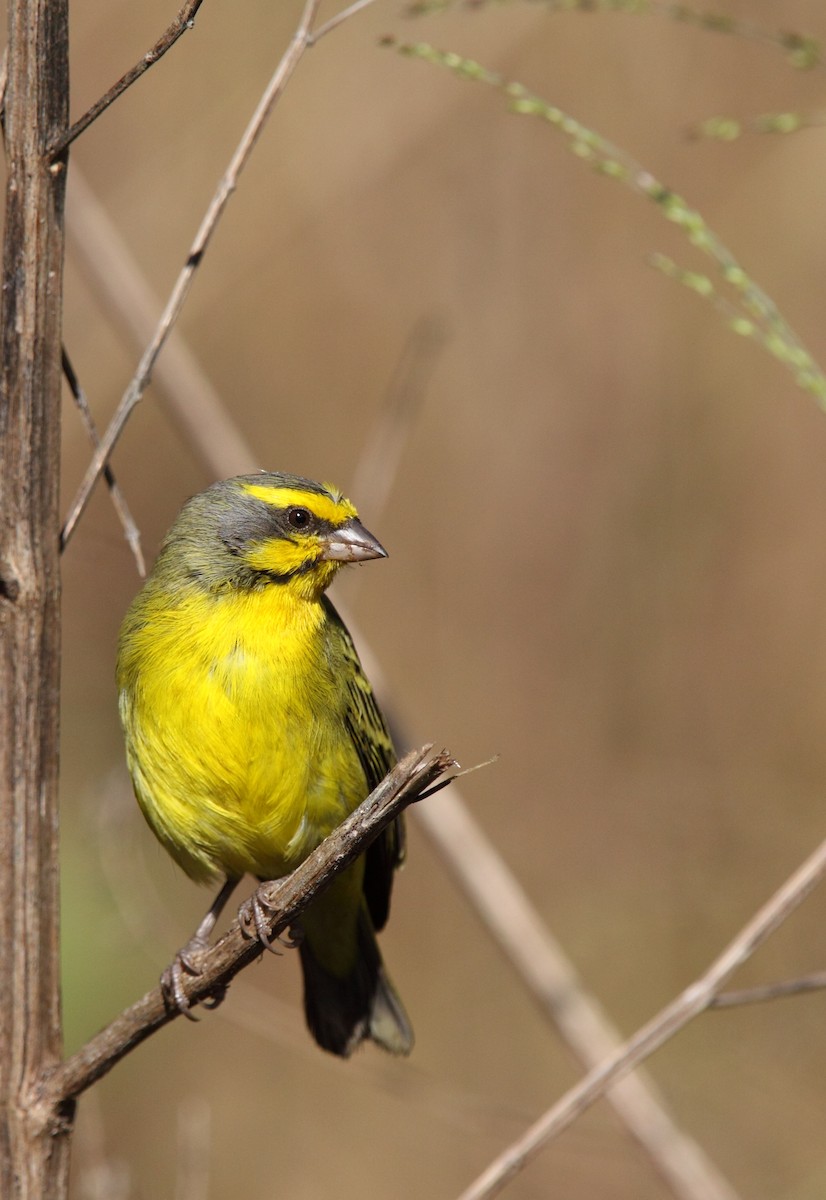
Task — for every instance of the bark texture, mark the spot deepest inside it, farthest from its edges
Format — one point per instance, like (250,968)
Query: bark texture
(33,1140)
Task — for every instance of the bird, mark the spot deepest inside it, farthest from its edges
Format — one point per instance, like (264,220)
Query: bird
(251,730)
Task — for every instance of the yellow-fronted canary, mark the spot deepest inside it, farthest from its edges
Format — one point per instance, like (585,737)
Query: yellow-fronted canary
(251,730)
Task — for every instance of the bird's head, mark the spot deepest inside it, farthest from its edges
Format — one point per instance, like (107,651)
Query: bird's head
(253,531)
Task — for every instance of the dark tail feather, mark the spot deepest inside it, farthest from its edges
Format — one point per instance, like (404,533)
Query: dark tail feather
(342,1011)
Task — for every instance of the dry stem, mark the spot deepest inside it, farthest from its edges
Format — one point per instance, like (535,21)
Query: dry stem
(780,990)
(130,529)
(694,1000)
(183,21)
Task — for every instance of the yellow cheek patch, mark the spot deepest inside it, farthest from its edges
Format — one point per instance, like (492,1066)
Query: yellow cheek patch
(280,556)
(323,507)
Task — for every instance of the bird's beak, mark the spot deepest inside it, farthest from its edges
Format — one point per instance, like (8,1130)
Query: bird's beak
(351,543)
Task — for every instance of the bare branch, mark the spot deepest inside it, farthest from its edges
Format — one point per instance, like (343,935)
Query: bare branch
(669,1021)
(544,967)
(286,898)
(771,991)
(183,21)
(130,529)
(337,20)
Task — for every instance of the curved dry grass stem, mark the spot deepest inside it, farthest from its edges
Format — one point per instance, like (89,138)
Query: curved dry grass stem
(751,312)
(669,1021)
(803,51)
(337,20)
(543,965)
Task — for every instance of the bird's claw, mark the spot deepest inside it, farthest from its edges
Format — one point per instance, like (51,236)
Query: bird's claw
(187,962)
(253,920)
(173,991)
(293,938)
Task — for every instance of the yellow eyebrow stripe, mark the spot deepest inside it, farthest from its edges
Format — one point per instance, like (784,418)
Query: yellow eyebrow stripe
(327,509)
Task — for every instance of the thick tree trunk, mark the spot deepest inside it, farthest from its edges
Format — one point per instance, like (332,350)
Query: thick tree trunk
(33,1142)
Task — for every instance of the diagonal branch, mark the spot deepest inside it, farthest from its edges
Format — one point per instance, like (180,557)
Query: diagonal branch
(780,990)
(338,19)
(546,970)
(418,774)
(696,999)
(130,529)
(183,21)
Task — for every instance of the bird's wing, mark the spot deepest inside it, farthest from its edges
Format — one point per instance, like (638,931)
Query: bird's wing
(371,740)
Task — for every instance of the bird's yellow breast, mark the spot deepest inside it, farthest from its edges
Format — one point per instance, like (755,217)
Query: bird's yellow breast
(234,710)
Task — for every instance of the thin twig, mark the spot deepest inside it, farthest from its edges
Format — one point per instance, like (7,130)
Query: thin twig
(289,61)
(285,899)
(502,905)
(337,20)
(771,991)
(183,21)
(130,529)
(669,1021)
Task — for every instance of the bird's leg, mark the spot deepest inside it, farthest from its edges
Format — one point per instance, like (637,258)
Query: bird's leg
(252,918)
(187,960)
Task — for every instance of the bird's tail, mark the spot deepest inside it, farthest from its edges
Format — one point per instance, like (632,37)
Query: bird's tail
(344,1007)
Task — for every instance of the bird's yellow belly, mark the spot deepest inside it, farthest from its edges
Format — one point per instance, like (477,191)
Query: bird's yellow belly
(236,743)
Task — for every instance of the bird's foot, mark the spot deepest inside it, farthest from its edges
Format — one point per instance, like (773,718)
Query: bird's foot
(253,917)
(188,961)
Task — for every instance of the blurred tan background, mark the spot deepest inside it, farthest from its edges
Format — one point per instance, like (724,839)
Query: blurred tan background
(608,566)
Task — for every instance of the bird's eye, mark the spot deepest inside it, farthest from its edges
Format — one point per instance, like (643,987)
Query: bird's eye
(299,518)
